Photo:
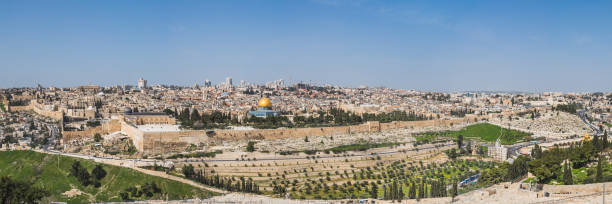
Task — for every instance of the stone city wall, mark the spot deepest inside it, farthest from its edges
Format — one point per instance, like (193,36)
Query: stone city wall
(37,108)
(17,108)
(162,142)
(104,128)
(293,132)
(135,134)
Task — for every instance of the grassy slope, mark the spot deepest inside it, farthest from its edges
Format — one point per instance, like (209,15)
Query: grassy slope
(484,131)
(44,170)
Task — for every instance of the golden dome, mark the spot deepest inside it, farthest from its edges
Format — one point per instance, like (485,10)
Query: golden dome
(264,103)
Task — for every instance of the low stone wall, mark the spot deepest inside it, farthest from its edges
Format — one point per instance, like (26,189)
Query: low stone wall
(584,188)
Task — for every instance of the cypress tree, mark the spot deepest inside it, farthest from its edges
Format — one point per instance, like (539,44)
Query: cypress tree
(596,143)
(599,170)
(567,175)
(444,193)
(433,190)
(421,190)
(412,191)
(454,192)
(604,140)
(374,191)
(385,194)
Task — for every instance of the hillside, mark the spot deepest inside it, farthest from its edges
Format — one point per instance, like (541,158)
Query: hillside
(52,173)
(483,131)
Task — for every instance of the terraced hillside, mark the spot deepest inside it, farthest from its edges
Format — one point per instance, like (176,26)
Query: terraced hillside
(348,174)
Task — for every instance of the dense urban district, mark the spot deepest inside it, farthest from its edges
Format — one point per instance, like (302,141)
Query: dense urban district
(301,143)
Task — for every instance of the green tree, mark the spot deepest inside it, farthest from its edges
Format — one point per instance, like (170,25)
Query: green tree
(12,191)
(536,152)
(98,172)
(459,141)
(455,190)
(195,115)
(567,175)
(518,168)
(599,175)
(97,137)
(80,173)
(412,191)
(374,191)
(125,196)
(250,147)
(188,171)
(604,141)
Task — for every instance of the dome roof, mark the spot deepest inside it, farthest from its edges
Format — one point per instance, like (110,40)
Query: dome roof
(264,103)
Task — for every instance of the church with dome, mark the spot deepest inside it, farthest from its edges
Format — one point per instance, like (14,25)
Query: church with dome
(264,109)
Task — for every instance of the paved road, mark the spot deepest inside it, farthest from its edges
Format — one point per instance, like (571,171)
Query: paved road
(582,115)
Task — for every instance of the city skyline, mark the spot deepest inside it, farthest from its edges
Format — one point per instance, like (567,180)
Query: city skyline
(441,46)
(309,101)
(273,84)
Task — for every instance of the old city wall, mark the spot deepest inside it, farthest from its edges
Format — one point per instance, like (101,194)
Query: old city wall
(17,108)
(425,123)
(288,133)
(160,142)
(135,134)
(37,108)
(327,131)
(104,128)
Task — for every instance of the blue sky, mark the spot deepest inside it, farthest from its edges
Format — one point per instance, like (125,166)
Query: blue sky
(424,45)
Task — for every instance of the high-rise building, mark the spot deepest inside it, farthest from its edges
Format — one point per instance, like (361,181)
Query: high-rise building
(142,84)
(207,83)
(228,82)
